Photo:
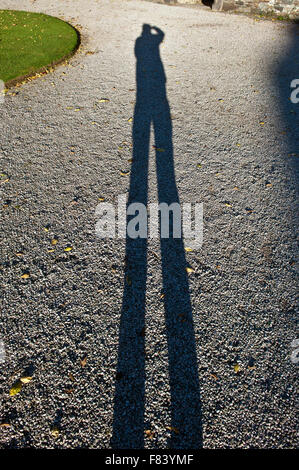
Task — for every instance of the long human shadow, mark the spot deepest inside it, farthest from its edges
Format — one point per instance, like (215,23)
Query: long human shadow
(152,108)
(284,72)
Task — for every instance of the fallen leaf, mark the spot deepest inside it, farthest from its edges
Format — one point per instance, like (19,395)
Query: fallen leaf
(25,276)
(150,434)
(68,248)
(130,119)
(55,431)
(124,173)
(25,380)
(189,269)
(237,368)
(104,100)
(16,388)
(5,425)
(159,149)
(83,361)
(54,241)
(172,428)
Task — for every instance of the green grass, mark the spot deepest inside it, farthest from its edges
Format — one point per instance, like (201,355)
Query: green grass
(31,41)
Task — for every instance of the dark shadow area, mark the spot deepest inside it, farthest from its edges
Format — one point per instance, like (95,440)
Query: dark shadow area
(152,109)
(208,3)
(284,73)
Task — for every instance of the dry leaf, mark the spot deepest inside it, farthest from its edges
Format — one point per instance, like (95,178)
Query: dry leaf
(83,361)
(25,380)
(68,248)
(159,149)
(25,276)
(237,368)
(171,428)
(104,100)
(5,425)
(189,269)
(54,241)
(124,173)
(187,248)
(55,431)
(16,388)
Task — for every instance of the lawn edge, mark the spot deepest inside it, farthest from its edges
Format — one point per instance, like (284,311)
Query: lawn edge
(49,68)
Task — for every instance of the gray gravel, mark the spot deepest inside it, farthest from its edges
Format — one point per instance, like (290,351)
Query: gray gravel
(60,153)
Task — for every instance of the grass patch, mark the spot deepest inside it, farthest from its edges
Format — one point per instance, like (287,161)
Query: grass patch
(31,41)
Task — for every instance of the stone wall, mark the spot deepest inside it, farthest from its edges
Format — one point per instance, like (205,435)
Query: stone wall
(278,7)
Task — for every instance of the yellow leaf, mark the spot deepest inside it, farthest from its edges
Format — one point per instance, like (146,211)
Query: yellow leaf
(187,248)
(262,123)
(25,276)
(236,368)
(51,250)
(171,428)
(130,119)
(124,173)
(150,434)
(25,380)
(68,248)
(4,425)
(189,270)
(16,388)
(104,100)
(54,241)
(55,431)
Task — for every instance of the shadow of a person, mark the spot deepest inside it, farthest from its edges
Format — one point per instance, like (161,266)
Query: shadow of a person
(128,426)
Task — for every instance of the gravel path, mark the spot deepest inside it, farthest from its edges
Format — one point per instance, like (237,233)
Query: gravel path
(234,149)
